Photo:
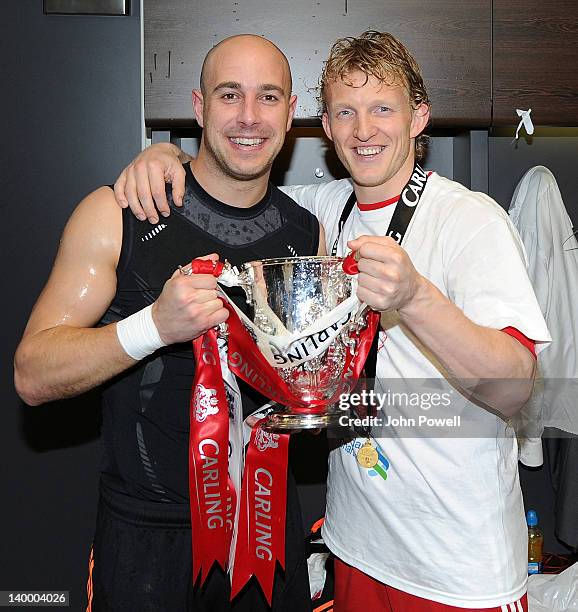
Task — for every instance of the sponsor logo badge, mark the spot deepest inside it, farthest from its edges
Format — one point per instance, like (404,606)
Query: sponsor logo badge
(205,402)
(265,440)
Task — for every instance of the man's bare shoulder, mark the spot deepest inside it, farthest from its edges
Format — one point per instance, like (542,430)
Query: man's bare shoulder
(82,282)
(95,226)
(98,209)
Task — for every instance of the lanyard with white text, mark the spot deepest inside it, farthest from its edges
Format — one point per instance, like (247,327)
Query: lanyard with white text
(403,213)
(409,198)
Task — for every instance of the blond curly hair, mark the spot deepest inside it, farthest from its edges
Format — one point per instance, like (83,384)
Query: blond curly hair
(382,56)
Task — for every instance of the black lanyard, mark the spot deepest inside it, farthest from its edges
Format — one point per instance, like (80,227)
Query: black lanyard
(402,215)
(408,201)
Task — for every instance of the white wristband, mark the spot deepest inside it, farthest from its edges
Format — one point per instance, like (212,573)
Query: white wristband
(138,334)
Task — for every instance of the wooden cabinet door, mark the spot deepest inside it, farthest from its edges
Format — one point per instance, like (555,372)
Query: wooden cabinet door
(450,40)
(535,61)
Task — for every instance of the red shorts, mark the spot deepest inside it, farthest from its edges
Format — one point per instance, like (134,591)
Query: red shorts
(356,591)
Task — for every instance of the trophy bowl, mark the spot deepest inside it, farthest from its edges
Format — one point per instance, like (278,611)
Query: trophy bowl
(292,296)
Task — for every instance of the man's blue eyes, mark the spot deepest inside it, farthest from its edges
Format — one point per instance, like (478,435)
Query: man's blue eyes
(379,109)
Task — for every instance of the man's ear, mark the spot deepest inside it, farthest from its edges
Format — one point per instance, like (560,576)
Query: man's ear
(326,126)
(198,105)
(419,120)
(292,107)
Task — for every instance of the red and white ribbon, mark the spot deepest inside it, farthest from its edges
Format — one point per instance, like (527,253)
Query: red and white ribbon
(261,532)
(254,518)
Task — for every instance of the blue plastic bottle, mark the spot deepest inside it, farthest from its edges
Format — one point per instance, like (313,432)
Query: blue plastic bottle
(535,543)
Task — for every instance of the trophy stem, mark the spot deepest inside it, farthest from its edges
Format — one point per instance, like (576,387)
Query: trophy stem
(286,421)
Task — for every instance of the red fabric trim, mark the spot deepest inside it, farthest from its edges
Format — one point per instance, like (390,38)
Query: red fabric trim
(355,590)
(527,342)
(377,205)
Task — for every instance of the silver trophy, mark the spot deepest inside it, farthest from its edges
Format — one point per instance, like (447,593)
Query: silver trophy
(288,296)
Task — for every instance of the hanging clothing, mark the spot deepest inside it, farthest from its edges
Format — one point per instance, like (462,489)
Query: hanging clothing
(538,212)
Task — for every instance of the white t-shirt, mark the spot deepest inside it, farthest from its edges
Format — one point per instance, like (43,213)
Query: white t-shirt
(439,517)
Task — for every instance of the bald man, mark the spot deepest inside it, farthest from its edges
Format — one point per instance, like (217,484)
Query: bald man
(115,310)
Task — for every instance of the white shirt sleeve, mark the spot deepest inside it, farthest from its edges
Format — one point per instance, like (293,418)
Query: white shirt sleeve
(486,277)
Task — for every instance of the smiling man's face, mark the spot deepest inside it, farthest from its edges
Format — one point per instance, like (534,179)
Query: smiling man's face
(373,128)
(246,106)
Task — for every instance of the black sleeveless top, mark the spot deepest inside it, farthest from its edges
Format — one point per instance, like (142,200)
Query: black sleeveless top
(145,431)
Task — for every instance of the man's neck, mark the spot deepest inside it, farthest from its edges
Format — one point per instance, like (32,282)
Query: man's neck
(226,189)
(390,189)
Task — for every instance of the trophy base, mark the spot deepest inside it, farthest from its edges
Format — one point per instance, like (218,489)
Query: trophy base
(287,421)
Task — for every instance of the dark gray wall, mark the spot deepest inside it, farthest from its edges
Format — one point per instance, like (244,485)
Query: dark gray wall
(70,109)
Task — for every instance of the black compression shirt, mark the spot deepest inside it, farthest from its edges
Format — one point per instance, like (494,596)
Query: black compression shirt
(145,429)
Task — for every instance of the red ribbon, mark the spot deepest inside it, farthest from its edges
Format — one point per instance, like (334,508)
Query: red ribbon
(207,266)
(349,264)
(261,533)
(210,491)
(261,539)
(249,364)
